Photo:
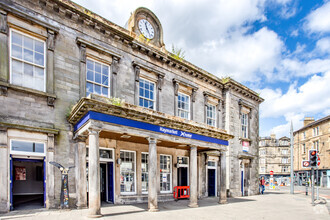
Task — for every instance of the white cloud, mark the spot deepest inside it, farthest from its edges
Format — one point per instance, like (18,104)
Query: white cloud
(323,45)
(319,19)
(311,97)
(243,57)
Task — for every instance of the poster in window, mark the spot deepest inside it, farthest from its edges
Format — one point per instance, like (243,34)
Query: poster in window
(20,173)
(245,146)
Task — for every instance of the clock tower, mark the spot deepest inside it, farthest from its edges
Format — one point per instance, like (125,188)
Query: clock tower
(146,27)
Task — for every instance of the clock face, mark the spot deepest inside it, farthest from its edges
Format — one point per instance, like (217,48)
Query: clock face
(146,29)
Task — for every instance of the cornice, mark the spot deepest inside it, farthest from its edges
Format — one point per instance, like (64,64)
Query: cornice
(232,84)
(101,104)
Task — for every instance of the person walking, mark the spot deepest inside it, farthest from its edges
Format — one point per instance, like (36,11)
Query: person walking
(262,185)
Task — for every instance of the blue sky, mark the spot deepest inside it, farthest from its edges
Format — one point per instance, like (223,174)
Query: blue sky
(279,48)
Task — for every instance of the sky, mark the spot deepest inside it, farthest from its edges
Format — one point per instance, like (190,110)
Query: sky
(278,48)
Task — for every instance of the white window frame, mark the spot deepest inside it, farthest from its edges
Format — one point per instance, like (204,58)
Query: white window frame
(262,169)
(262,160)
(27,153)
(316,145)
(181,109)
(129,193)
(144,192)
(171,173)
(214,119)
(93,82)
(103,159)
(304,135)
(21,60)
(287,169)
(245,125)
(316,131)
(142,97)
(285,160)
(285,151)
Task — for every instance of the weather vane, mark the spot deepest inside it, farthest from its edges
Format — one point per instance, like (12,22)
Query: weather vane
(65,186)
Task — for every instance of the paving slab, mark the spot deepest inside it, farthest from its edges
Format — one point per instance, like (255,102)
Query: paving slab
(272,205)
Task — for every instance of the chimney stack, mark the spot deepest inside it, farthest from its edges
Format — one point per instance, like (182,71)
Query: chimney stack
(308,120)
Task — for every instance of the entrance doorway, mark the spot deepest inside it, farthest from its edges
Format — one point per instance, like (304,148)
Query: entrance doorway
(211,178)
(183,176)
(211,182)
(27,183)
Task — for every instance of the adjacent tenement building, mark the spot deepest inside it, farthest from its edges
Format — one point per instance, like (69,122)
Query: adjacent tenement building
(134,120)
(313,135)
(274,155)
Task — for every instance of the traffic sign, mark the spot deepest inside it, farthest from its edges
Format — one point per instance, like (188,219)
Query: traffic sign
(271,172)
(306,164)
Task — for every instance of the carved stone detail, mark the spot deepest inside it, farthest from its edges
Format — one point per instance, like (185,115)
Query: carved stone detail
(51,101)
(51,40)
(83,53)
(3,22)
(137,73)
(160,82)
(193,95)
(176,88)
(3,90)
(115,62)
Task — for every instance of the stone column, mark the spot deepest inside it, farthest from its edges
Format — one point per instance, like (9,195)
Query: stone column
(50,173)
(80,166)
(193,177)
(4,171)
(152,188)
(94,175)
(223,189)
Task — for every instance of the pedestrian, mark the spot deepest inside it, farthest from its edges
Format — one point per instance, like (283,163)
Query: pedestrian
(262,185)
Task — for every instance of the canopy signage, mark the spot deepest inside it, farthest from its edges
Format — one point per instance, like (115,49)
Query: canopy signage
(145,126)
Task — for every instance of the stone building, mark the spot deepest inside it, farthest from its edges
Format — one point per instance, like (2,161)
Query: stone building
(274,155)
(132,119)
(313,135)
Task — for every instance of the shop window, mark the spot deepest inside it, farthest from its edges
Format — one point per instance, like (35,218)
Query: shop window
(146,94)
(144,171)
(27,147)
(210,115)
(127,172)
(165,173)
(183,106)
(97,78)
(27,60)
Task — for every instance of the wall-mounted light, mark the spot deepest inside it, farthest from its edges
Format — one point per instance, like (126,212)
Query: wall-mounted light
(119,161)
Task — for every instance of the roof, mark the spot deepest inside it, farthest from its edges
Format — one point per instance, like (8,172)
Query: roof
(313,123)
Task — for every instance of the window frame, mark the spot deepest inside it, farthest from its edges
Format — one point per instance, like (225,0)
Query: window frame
(245,118)
(27,153)
(135,191)
(154,92)
(285,159)
(209,118)
(11,30)
(93,82)
(171,174)
(145,192)
(180,109)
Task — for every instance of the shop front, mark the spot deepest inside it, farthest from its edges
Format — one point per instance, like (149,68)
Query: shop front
(153,153)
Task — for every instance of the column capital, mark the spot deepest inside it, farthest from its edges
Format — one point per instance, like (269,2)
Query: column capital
(94,131)
(80,138)
(193,146)
(152,140)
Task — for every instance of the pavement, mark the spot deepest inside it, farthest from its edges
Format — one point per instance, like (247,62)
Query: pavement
(274,204)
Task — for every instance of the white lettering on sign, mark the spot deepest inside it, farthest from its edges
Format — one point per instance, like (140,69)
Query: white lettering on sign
(168,131)
(184,134)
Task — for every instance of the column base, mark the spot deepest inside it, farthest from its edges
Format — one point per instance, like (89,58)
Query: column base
(153,210)
(223,202)
(193,205)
